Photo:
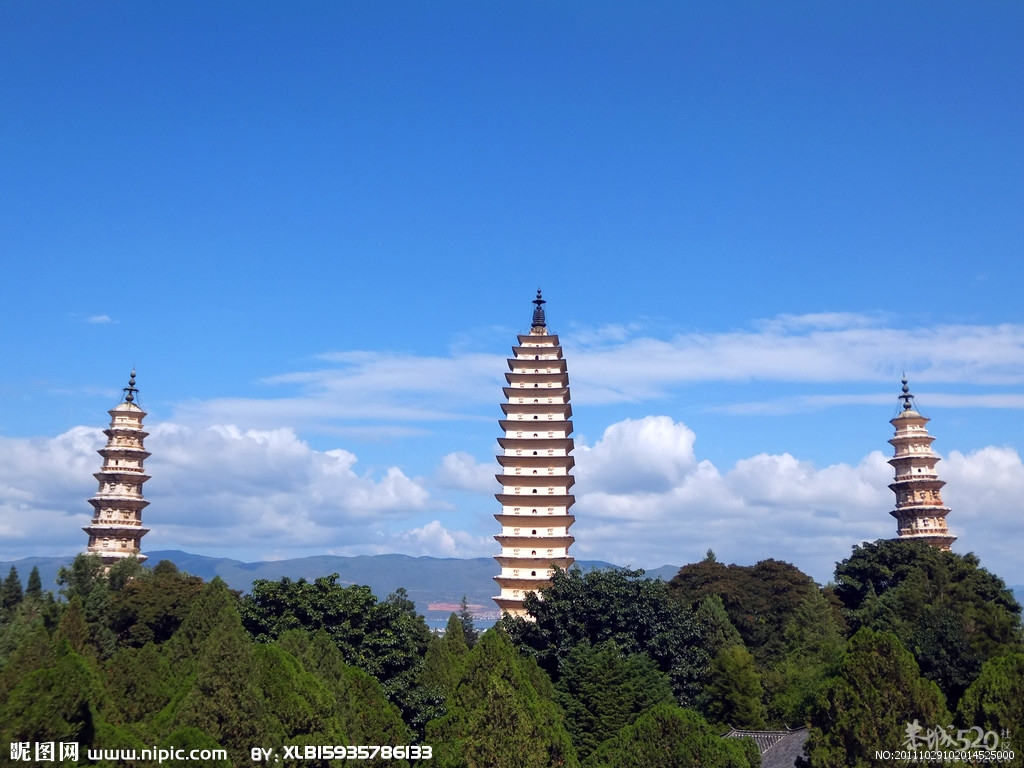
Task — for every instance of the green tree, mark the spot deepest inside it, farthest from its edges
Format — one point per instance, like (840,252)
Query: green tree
(670,737)
(868,706)
(10,593)
(296,698)
(59,700)
(31,614)
(445,661)
(34,652)
(468,628)
(34,589)
(612,604)
(150,606)
(219,692)
(86,579)
(717,628)
(601,690)
(361,710)
(948,610)
(501,714)
(759,599)
(140,683)
(995,701)
(815,642)
(387,640)
(733,695)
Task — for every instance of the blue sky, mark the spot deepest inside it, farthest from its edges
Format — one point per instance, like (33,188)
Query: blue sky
(316,231)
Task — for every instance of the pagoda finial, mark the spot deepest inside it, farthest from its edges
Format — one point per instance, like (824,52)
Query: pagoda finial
(130,391)
(538,313)
(906,397)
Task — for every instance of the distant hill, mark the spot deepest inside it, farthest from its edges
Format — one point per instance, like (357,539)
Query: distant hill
(430,581)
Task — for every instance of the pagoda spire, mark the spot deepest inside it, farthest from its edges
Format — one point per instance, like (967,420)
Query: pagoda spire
(920,514)
(539,323)
(116,530)
(536,476)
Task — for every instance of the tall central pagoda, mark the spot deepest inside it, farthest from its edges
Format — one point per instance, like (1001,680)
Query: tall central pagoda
(116,531)
(920,514)
(536,466)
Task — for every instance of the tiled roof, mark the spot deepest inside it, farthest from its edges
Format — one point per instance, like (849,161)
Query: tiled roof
(779,749)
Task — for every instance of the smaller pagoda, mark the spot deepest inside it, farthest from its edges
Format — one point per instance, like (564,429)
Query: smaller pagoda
(116,530)
(920,514)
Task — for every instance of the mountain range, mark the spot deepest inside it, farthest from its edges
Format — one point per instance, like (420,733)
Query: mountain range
(437,585)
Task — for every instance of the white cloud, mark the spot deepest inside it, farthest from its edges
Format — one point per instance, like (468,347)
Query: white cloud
(435,540)
(386,392)
(461,471)
(822,348)
(983,490)
(774,505)
(644,497)
(651,454)
(99,319)
(220,488)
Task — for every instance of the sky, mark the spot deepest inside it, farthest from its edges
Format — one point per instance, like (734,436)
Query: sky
(315,231)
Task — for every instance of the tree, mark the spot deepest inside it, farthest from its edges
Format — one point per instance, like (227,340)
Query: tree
(601,690)
(34,589)
(670,737)
(466,617)
(995,701)
(759,599)
(501,714)
(152,605)
(59,700)
(86,579)
(733,697)
(612,604)
(139,681)
(387,640)
(219,693)
(10,593)
(868,706)
(948,610)
(815,642)
(445,661)
(717,628)
(361,710)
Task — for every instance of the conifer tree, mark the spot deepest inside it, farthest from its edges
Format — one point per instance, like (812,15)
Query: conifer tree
(10,593)
(299,700)
(445,661)
(496,717)
(733,695)
(670,737)
(361,710)
(601,690)
(34,652)
(34,589)
(60,700)
(140,683)
(717,628)
(815,643)
(220,695)
(73,628)
(878,692)
(86,579)
(995,701)
(469,631)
